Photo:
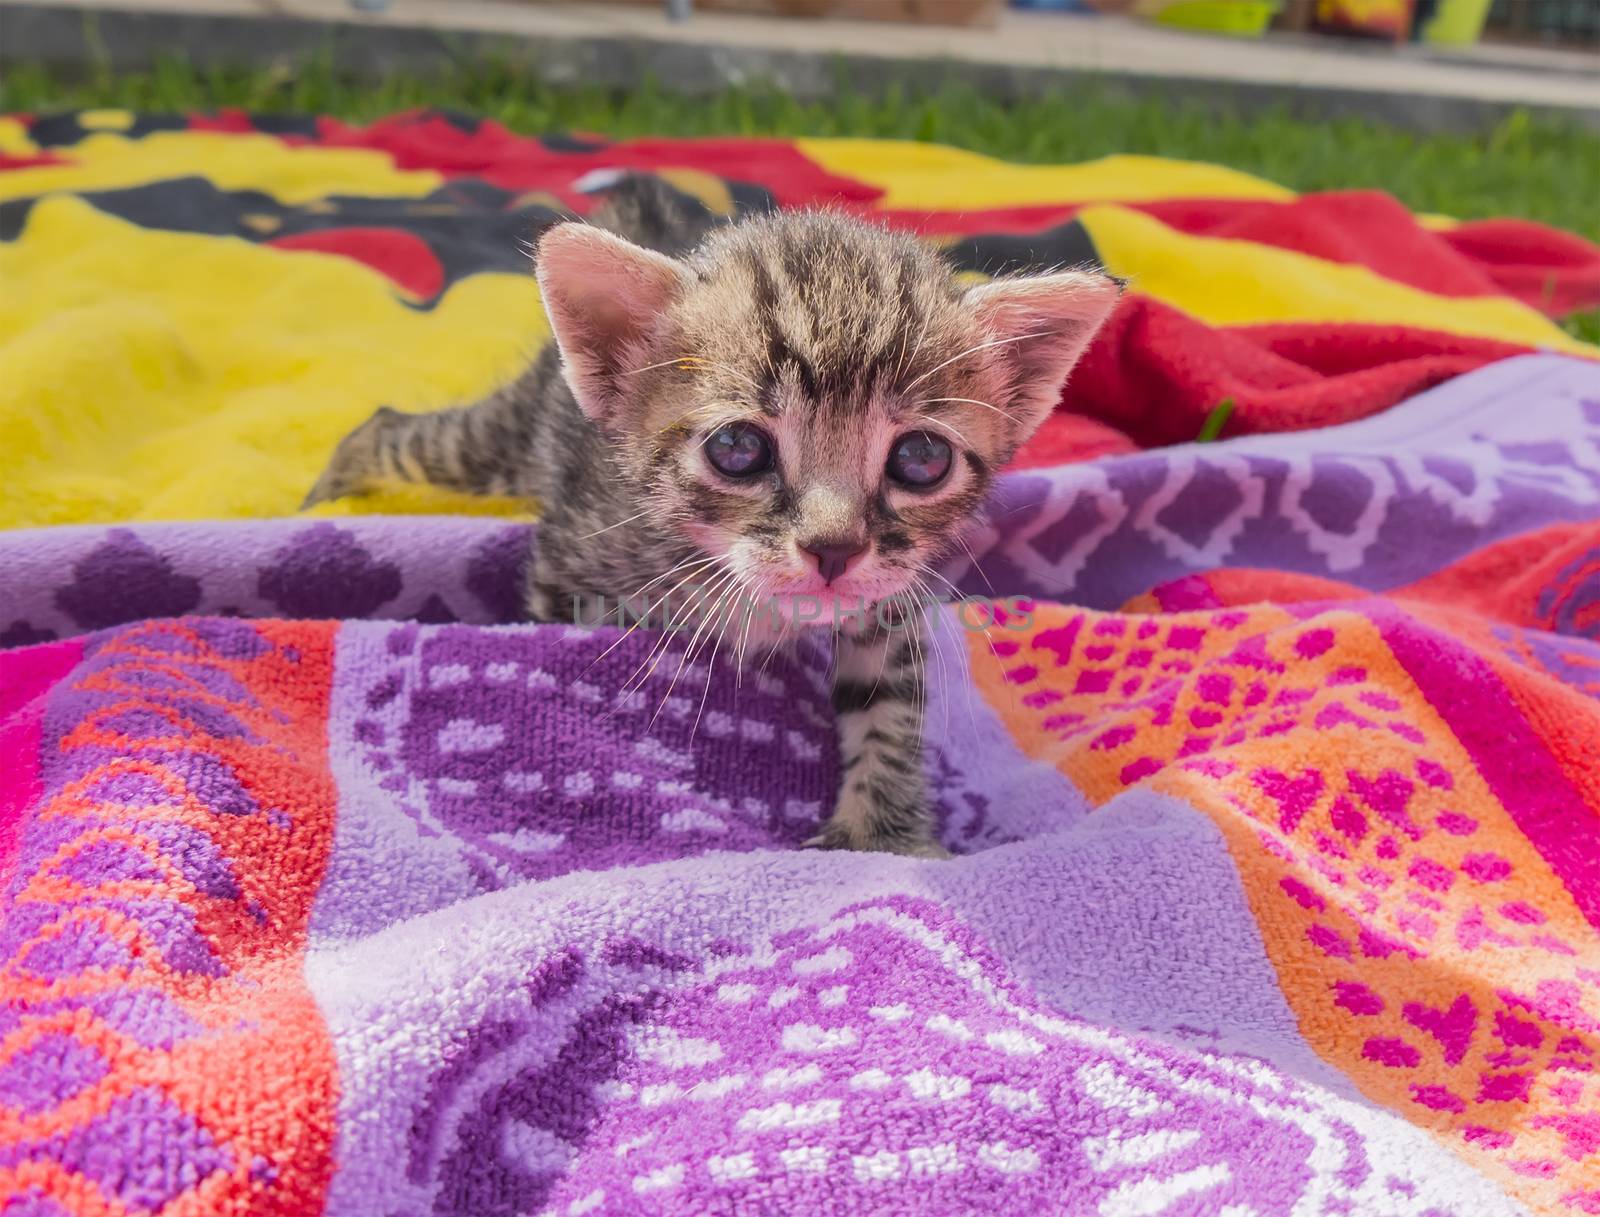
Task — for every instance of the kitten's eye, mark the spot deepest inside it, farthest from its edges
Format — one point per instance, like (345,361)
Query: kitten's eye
(919,459)
(739,450)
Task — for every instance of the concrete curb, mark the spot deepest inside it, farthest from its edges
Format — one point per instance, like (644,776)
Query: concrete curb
(74,39)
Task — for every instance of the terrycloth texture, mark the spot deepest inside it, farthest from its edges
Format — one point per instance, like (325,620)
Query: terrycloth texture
(194,310)
(1258,909)
(1460,490)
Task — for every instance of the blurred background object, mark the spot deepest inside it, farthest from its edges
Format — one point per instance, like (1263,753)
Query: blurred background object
(922,12)
(1443,23)
(1387,19)
(1560,21)
(1240,18)
(1450,22)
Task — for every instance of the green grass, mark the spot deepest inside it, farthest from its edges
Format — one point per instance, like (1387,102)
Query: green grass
(1538,168)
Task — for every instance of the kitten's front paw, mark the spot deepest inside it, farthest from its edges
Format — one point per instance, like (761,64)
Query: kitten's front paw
(356,464)
(846,830)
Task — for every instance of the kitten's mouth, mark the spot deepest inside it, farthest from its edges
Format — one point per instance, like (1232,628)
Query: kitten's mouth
(829,608)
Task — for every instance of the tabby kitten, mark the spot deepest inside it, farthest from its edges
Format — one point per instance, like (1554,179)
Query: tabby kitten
(797,408)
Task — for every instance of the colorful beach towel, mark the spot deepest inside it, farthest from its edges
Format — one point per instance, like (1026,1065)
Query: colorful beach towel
(1271,909)
(328,889)
(195,309)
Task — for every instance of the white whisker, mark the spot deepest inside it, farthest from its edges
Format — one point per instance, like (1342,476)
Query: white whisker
(740,585)
(973,350)
(698,566)
(976,565)
(930,634)
(641,515)
(938,424)
(911,356)
(658,652)
(966,669)
(971,401)
(714,590)
(665,363)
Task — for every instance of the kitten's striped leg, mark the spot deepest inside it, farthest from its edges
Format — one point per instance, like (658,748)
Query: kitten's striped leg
(479,449)
(883,797)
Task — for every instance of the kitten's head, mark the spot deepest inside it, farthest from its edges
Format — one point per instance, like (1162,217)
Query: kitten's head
(817,402)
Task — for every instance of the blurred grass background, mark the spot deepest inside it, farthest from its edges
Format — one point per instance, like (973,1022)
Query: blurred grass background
(1535,167)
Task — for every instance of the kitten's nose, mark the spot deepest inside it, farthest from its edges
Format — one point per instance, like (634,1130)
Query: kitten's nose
(833,557)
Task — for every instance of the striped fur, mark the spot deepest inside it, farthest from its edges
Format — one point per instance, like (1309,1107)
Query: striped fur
(835,338)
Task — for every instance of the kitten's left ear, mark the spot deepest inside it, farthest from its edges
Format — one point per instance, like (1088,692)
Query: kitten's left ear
(1041,325)
(606,298)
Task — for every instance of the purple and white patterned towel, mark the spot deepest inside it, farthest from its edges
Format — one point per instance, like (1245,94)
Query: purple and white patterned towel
(1379,503)
(1258,909)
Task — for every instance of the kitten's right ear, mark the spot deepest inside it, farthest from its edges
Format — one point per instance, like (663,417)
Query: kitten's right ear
(606,298)
(1040,326)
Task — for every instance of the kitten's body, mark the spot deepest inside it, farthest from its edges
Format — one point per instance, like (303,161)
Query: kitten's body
(830,341)
(532,440)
